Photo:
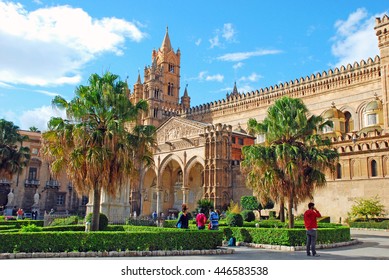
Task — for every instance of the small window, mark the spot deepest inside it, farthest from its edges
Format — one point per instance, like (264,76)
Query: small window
(155,112)
(240,141)
(233,140)
(371,119)
(34,151)
(373,166)
(60,199)
(171,68)
(338,171)
(32,173)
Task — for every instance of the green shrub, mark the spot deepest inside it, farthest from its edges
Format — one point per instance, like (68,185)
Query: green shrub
(234,220)
(248,215)
(287,237)
(151,238)
(103,220)
(249,202)
(31,228)
(370,224)
(72,220)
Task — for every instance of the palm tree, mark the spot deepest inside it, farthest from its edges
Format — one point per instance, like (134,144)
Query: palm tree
(33,129)
(291,163)
(13,156)
(94,144)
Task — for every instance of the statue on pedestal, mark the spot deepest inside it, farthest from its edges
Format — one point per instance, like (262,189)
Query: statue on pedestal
(36,199)
(10,198)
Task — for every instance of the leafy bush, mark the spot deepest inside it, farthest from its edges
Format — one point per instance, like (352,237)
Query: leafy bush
(31,228)
(103,220)
(72,220)
(370,224)
(152,238)
(367,208)
(248,215)
(205,205)
(249,202)
(234,220)
(234,208)
(286,236)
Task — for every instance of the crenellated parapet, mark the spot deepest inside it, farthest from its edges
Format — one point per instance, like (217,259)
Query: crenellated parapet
(315,84)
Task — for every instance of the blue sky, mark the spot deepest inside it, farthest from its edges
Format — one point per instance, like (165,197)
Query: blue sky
(48,48)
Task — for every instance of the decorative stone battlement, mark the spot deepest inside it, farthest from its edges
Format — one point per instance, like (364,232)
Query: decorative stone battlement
(337,78)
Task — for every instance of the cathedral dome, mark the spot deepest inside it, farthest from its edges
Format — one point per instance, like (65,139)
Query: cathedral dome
(333,113)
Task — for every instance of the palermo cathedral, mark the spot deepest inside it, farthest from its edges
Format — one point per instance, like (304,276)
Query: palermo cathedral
(198,149)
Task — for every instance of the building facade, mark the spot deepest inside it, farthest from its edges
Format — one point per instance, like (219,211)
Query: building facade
(199,147)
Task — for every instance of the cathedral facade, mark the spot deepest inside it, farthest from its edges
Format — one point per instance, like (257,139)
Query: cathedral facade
(198,149)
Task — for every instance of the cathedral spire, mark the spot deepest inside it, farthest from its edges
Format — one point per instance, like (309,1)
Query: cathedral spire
(166,45)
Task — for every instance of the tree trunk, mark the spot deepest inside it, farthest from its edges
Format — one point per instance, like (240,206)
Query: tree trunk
(282,210)
(290,212)
(96,209)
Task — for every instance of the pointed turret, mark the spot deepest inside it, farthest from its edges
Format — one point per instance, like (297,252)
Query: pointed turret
(139,80)
(185,99)
(166,45)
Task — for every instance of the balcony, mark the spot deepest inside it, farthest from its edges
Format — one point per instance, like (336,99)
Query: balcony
(28,183)
(5,183)
(52,184)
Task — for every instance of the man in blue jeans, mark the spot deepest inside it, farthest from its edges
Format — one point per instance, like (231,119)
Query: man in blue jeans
(310,222)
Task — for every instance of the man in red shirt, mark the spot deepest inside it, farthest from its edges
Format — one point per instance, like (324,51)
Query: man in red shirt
(310,223)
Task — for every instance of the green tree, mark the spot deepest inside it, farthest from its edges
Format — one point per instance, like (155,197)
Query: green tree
(367,208)
(34,129)
(292,161)
(205,205)
(13,156)
(249,202)
(99,143)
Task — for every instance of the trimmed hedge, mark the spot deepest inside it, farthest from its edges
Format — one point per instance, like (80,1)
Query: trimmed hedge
(168,239)
(370,224)
(20,223)
(287,237)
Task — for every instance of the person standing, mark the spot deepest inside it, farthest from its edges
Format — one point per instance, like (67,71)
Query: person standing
(213,219)
(310,222)
(183,219)
(201,219)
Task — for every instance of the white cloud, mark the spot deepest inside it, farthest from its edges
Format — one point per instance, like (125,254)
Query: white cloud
(239,56)
(228,32)
(50,46)
(214,41)
(217,78)
(253,77)
(355,38)
(198,42)
(204,76)
(39,117)
(238,65)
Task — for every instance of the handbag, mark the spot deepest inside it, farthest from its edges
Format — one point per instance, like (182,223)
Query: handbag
(179,225)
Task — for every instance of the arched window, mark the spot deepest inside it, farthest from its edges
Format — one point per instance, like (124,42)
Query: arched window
(338,171)
(373,166)
(155,112)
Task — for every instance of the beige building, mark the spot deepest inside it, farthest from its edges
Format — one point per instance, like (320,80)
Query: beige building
(198,151)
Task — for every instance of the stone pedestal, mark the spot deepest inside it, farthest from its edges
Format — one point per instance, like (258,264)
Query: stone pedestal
(8,210)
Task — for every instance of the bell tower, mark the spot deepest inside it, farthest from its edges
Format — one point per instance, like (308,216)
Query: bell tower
(161,86)
(382,32)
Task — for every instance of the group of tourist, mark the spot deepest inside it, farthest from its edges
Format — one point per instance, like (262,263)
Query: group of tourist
(201,219)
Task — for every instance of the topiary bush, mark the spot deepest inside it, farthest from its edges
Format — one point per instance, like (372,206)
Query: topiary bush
(234,220)
(72,220)
(30,228)
(103,220)
(248,215)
